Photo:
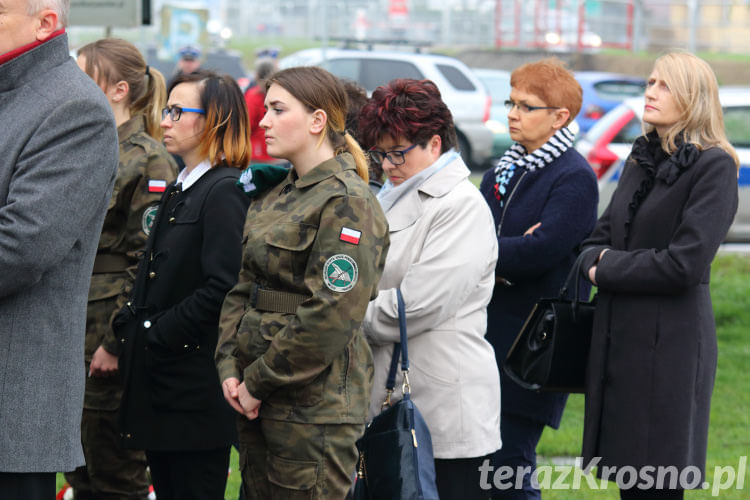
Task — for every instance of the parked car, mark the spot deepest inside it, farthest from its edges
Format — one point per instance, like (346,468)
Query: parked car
(602,92)
(219,60)
(497,83)
(461,90)
(607,145)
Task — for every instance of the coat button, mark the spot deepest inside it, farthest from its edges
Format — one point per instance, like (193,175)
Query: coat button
(152,275)
(128,436)
(122,341)
(186,346)
(147,324)
(171,220)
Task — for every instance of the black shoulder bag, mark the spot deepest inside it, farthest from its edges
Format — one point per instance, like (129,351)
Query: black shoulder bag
(551,351)
(395,452)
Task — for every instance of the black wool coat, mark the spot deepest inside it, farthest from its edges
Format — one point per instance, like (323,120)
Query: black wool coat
(173,399)
(653,354)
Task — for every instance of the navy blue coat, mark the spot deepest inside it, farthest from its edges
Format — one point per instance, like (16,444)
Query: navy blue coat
(563,196)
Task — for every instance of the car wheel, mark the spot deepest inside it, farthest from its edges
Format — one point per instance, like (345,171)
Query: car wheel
(465,149)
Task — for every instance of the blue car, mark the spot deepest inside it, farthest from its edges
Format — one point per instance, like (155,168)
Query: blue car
(602,92)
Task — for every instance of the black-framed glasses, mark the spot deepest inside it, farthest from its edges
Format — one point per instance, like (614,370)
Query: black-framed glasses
(396,157)
(525,108)
(175,112)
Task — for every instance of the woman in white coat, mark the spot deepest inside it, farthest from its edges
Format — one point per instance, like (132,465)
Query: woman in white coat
(442,256)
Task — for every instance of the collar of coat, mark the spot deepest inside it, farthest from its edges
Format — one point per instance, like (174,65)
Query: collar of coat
(136,124)
(409,208)
(329,168)
(649,155)
(23,64)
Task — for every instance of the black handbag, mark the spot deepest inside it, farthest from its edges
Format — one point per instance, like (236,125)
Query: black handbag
(551,351)
(395,452)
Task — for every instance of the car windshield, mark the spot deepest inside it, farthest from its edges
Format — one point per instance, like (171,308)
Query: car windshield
(498,87)
(618,89)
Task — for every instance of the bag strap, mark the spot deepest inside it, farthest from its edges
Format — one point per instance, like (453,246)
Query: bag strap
(573,278)
(400,349)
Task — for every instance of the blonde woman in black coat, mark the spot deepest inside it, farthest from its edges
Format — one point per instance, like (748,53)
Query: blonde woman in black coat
(653,354)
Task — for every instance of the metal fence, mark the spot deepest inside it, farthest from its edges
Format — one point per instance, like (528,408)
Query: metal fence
(566,25)
(718,25)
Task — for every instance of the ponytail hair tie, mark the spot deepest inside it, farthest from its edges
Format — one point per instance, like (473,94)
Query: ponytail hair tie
(147,71)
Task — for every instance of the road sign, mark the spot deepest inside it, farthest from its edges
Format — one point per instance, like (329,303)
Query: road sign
(119,13)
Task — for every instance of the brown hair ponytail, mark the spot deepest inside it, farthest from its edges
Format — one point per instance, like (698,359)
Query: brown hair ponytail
(111,60)
(359,156)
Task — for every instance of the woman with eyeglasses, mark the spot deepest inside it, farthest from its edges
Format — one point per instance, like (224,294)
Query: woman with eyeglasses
(172,405)
(442,257)
(136,94)
(543,196)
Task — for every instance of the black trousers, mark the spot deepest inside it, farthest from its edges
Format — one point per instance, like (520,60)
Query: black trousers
(520,438)
(189,475)
(459,478)
(27,485)
(636,494)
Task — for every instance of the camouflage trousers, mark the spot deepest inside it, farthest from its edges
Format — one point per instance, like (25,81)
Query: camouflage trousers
(110,473)
(290,461)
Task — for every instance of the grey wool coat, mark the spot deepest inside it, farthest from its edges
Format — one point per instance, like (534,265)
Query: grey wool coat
(58,157)
(653,354)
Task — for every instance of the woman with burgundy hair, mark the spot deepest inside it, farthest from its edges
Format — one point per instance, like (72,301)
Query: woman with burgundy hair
(442,257)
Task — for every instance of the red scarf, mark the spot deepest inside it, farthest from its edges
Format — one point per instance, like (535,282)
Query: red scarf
(4,58)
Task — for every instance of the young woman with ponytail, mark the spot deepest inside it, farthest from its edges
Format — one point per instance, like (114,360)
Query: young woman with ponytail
(136,94)
(292,358)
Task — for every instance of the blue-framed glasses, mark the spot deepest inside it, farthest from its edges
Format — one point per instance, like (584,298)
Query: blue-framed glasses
(523,107)
(395,157)
(175,112)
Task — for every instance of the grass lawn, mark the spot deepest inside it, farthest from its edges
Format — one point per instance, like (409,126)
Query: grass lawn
(729,436)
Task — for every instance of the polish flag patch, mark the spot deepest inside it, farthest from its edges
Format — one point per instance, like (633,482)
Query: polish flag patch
(156,186)
(350,235)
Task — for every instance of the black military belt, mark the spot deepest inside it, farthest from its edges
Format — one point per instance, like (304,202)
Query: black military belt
(110,263)
(263,299)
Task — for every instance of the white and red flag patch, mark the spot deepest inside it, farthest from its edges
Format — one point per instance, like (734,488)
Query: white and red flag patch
(157,186)
(350,235)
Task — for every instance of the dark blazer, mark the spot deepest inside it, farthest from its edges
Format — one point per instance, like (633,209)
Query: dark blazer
(173,398)
(562,196)
(653,354)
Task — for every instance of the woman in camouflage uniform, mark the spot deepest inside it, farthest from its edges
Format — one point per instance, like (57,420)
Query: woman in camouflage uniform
(291,350)
(136,94)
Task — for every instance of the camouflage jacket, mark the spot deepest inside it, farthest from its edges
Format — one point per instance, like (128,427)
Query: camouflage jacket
(145,169)
(322,238)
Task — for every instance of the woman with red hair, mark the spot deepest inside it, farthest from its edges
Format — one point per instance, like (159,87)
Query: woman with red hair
(442,257)
(543,197)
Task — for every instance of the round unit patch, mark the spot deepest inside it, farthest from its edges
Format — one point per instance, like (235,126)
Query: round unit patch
(340,273)
(149,216)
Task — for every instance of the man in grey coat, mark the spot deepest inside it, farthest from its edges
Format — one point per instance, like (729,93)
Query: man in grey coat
(58,157)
